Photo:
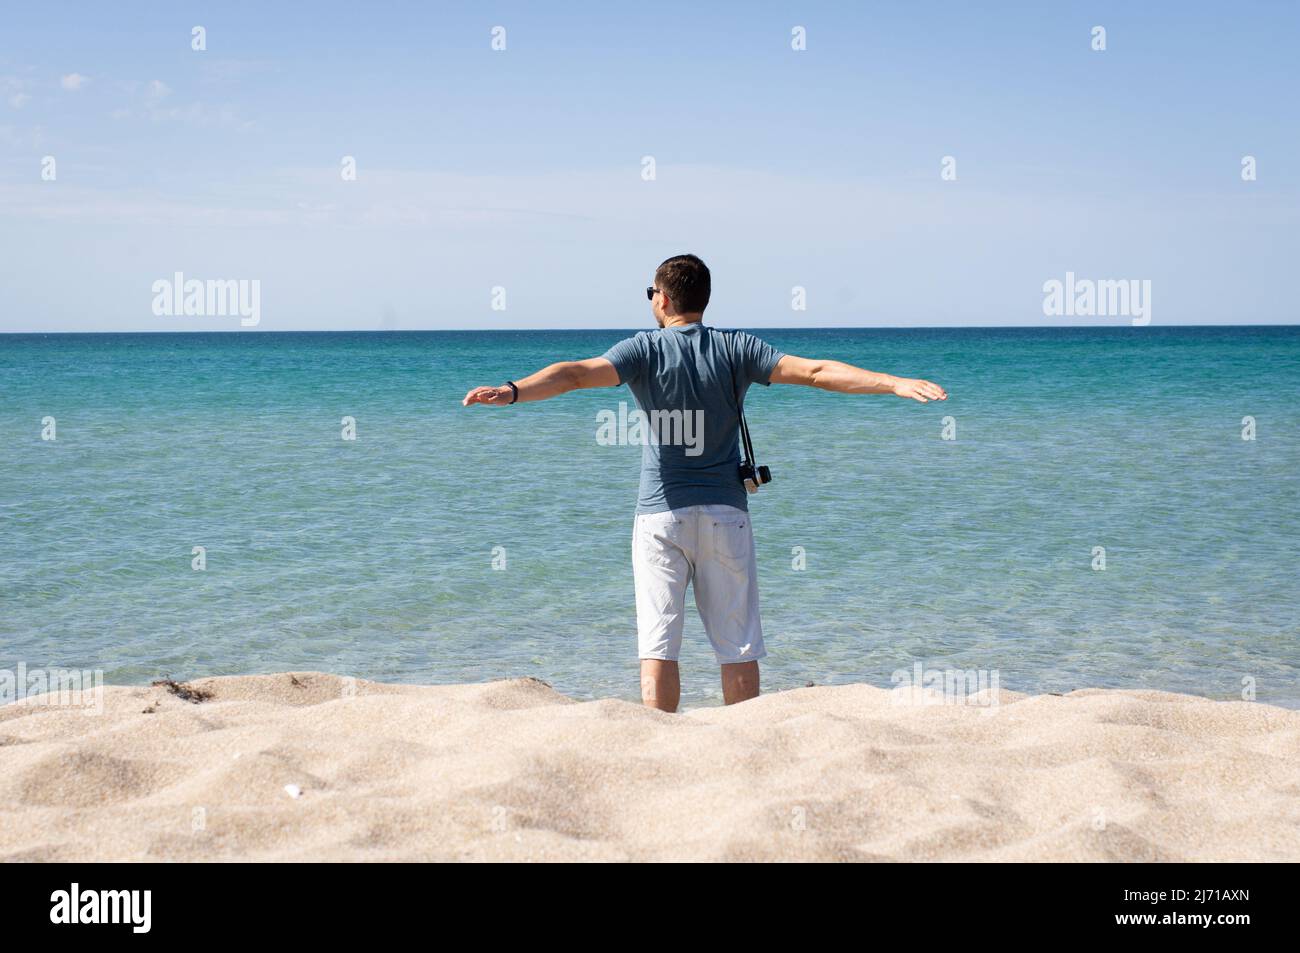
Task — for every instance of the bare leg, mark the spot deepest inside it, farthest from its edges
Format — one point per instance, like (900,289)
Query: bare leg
(661,684)
(739,682)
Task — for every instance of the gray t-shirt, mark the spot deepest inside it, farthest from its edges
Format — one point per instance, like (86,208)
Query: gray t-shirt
(686,381)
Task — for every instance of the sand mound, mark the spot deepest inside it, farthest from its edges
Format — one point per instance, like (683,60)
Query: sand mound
(513,770)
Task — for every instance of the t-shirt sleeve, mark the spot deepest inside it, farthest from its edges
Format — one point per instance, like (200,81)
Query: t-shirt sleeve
(757,357)
(628,357)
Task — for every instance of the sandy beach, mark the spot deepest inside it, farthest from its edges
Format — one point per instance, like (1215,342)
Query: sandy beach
(309,766)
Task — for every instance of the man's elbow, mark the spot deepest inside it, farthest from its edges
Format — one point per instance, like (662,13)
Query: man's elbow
(570,374)
(577,375)
(596,372)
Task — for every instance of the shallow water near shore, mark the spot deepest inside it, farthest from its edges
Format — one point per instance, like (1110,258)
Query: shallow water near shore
(374,557)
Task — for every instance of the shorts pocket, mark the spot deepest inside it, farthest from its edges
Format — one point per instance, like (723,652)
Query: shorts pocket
(733,541)
(660,538)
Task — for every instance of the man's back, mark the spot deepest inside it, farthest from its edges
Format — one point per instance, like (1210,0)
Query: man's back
(687,380)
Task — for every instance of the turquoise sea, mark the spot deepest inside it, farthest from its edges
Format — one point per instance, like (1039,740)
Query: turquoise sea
(374,557)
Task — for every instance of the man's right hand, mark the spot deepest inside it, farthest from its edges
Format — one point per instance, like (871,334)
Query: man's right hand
(917,389)
(492,396)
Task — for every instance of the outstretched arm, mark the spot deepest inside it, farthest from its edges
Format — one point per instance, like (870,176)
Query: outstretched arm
(847,379)
(549,382)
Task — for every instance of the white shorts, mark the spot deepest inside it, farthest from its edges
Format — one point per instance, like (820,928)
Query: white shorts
(711,548)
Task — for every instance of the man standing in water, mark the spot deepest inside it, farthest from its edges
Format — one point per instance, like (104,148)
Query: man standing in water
(692,520)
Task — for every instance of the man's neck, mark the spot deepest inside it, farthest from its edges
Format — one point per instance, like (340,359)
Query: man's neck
(682,320)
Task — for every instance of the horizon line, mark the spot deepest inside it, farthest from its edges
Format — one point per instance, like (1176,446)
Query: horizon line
(824,327)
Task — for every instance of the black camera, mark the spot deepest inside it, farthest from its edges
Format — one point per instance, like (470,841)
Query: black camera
(753,477)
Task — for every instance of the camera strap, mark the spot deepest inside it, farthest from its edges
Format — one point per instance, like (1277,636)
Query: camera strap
(746,445)
(744,438)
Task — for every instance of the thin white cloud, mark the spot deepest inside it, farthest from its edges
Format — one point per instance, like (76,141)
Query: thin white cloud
(13,88)
(127,207)
(73,82)
(231,71)
(154,101)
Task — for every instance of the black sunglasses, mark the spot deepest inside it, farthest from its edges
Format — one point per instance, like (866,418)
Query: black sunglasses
(650,293)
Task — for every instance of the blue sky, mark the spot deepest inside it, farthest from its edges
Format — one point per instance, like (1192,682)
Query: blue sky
(522,168)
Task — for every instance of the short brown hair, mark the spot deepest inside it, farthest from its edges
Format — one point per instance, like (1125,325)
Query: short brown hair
(685,279)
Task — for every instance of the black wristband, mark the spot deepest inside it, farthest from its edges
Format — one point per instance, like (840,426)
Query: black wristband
(514,390)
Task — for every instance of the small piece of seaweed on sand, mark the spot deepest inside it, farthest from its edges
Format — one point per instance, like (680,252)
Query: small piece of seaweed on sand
(184,691)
